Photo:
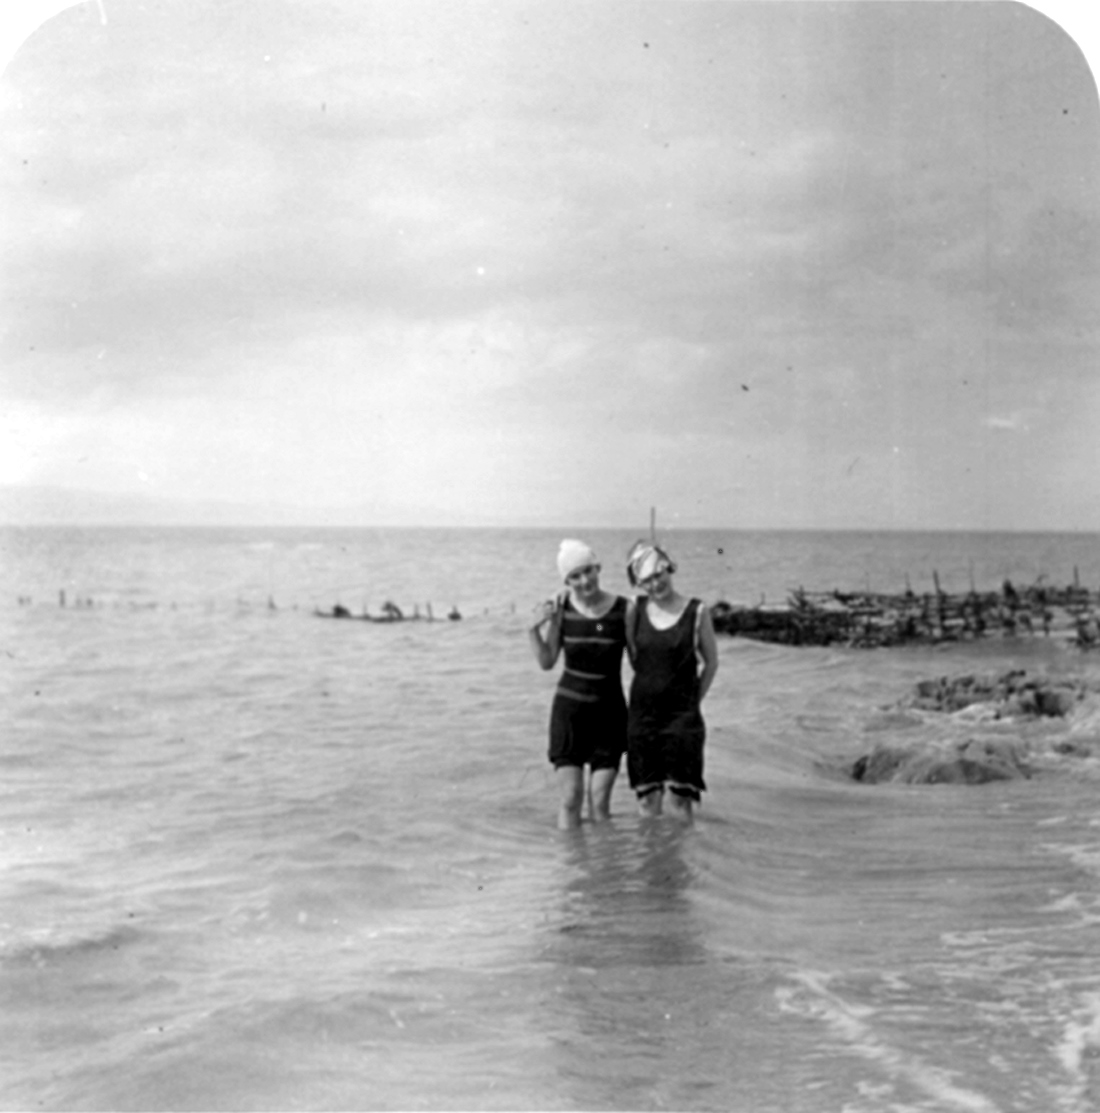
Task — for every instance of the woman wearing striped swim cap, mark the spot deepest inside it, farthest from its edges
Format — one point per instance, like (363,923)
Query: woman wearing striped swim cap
(675,657)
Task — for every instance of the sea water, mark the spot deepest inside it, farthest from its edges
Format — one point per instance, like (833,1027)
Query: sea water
(254,858)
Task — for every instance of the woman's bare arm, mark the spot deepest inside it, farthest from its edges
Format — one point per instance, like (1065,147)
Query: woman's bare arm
(546,649)
(708,651)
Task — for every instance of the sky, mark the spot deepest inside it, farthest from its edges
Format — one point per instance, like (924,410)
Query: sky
(757,265)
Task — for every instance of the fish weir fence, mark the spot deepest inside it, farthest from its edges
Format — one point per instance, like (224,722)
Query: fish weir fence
(866,619)
(857,619)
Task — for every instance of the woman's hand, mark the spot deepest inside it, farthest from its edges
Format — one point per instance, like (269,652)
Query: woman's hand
(546,652)
(544,612)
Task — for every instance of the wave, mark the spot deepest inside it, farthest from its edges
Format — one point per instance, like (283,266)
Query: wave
(814,998)
(59,947)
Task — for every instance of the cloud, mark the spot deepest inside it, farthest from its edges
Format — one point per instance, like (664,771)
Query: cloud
(295,245)
(1012,422)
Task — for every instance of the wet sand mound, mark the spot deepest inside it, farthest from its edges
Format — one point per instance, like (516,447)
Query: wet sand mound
(1005,697)
(972,762)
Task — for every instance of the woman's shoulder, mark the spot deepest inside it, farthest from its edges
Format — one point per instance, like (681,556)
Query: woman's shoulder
(698,606)
(612,605)
(620,606)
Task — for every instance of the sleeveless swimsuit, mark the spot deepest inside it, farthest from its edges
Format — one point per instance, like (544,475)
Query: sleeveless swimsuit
(588,717)
(665,731)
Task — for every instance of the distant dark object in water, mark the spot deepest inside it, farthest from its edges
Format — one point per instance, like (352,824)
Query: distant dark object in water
(1088,630)
(390,612)
(454,616)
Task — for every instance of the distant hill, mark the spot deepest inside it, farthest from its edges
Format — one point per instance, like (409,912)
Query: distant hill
(63,506)
(66,506)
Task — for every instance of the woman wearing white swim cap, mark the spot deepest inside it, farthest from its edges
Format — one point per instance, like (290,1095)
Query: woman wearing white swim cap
(588,716)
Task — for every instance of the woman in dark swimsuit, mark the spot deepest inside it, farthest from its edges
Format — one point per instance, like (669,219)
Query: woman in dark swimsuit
(588,717)
(670,638)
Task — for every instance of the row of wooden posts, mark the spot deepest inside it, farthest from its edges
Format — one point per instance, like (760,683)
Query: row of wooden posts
(390,611)
(880,619)
(862,618)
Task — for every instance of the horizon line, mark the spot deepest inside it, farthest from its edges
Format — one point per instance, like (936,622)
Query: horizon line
(542,528)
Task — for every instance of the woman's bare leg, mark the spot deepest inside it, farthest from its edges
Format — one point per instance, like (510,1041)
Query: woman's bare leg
(650,803)
(571,787)
(680,807)
(599,794)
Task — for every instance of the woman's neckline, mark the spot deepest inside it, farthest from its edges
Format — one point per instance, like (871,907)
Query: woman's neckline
(670,620)
(586,613)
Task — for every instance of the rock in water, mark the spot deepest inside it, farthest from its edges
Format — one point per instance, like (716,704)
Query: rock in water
(1013,693)
(971,762)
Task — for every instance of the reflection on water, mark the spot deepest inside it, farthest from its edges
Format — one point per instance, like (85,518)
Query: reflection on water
(626,897)
(638,1003)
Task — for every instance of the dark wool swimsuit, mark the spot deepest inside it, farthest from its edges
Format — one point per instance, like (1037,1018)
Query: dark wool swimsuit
(665,732)
(588,718)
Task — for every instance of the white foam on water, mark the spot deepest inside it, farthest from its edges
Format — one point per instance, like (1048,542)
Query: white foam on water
(1069,902)
(851,1022)
(1085,856)
(978,713)
(1080,1042)
(1084,908)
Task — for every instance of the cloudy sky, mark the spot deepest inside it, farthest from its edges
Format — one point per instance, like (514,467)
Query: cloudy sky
(552,262)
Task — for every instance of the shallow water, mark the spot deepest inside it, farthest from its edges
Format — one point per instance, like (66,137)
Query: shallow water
(256,859)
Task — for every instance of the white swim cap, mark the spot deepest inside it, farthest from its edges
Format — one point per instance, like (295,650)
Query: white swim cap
(573,555)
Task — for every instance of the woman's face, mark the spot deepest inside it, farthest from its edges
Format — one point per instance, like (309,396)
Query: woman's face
(659,585)
(584,582)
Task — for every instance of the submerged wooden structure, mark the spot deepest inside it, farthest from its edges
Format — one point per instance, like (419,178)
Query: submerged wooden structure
(874,619)
(391,612)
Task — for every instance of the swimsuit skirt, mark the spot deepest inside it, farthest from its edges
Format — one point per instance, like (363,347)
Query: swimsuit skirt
(665,730)
(588,717)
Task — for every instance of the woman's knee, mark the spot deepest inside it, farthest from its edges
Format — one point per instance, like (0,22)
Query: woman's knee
(571,785)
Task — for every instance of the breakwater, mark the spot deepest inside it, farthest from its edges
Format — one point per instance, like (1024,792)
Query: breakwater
(391,612)
(873,619)
(858,619)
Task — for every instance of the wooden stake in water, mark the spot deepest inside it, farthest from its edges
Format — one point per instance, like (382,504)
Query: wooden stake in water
(653,525)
